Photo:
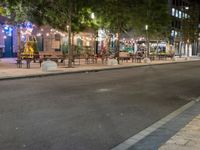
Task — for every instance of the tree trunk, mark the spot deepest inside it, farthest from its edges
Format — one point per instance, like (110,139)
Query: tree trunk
(188,51)
(157,46)
(97,43)
(109,42)
(118,46)
(197,47)
(180,49)
(94,42)
(70,51)
(184,48)
(18,43)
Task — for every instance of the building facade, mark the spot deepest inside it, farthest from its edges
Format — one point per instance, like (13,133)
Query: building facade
(185,26)
(8,39)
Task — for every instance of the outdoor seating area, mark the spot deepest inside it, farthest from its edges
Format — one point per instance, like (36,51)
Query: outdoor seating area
(124,56)
(56,56)
(87,59)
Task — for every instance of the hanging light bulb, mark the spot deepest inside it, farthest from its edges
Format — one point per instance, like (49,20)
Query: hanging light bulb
(23,37)
(38,34)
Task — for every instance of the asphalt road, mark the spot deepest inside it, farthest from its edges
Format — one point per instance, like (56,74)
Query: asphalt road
(91,111)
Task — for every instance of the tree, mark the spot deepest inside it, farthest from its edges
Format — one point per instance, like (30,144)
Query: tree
(74,16)
(116,16)
(154,16)
(121,16)
(66,15)
(17,14)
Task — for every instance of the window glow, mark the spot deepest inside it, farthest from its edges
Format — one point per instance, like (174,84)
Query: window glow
(172,33)
(180,14)
(177,13)
(173,12)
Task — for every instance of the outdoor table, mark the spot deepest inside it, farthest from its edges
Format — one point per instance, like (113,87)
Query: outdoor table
(19,63)
(152,56)
(162,56)
(27,58)
(133,57)
(47,56)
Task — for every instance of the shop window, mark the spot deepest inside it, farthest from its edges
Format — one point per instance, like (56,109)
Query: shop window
(186,15)
(177,13)
(173,12)
(180,14)
(183,15)
(175,33)
(172,33)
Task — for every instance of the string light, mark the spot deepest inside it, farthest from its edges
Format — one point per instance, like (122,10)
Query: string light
(23,37)
(92,16)
(38,34)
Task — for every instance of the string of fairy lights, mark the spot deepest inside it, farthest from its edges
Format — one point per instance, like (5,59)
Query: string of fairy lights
(26,29)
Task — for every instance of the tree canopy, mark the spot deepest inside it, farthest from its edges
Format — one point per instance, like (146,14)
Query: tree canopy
(115,15)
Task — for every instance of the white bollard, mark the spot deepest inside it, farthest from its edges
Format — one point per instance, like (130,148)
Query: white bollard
(49,66)
(147,60)
(112,62)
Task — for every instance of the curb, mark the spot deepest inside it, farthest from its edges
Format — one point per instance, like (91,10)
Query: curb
(127,144)
(92,70)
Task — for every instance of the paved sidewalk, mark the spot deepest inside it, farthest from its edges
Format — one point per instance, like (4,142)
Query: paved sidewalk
(188,138)
(8,68)
(157,135)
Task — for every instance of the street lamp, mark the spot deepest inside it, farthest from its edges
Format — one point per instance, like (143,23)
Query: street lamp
(92,16)
(186,7)
(146,27)
(147,39)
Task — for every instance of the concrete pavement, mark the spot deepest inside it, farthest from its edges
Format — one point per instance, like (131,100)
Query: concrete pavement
(9,70)
(188,138)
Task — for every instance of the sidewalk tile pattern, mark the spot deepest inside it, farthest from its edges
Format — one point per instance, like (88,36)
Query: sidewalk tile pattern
(188,138)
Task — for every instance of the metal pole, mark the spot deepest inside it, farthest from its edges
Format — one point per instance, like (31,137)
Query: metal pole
(147,40)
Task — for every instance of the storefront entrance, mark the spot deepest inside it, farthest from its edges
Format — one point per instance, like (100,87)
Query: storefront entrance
(8,47)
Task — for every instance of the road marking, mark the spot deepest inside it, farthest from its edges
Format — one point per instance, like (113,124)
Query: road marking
(103,90)
(142,134)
